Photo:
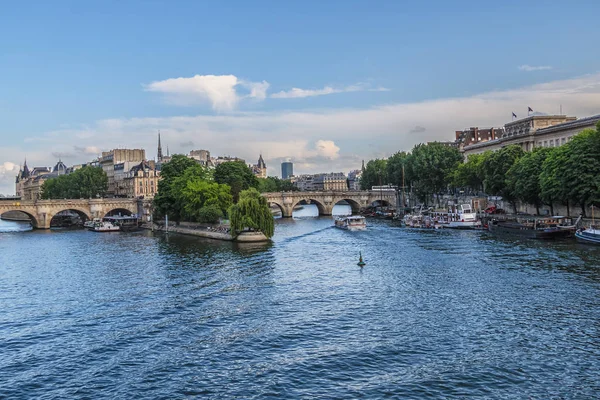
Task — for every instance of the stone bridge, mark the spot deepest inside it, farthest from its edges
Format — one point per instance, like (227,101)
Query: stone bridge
(41,212)
(326,200)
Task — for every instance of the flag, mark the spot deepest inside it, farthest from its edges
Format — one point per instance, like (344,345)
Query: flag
(529,109)
(514,115)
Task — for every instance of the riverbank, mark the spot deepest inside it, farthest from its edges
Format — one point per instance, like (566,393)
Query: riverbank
(209,232)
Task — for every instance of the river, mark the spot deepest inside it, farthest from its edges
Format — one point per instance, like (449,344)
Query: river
(433,314)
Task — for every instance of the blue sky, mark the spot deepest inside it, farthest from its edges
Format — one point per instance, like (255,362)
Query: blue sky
(98,75)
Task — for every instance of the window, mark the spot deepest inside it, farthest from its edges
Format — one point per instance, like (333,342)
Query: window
(562,141)
(556,143)
(545,143)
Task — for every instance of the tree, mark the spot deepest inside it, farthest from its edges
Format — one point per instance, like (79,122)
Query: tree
(199,194)
(269,184)
(375,174)
(86,182)
(552,187)
(523,178)
(251,212)
(495,167)
(432,168)
(237,175)
(469,174)
(209,214)
(168,199)
(395,166)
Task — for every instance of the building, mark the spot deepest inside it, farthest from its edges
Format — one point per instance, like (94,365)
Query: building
(28,184)
(354,179)
(537,130)
(475,135)
(202,156)
(141,181)
(287,169)
(260,168)
(118,162)
(334,181)
(224,159)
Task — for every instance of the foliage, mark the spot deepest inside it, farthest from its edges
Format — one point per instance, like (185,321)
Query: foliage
(394,168)
(251,212)
(523,178)
(375,174)
(432,168)
(168,200)
(274,184)
(198,194)
(209,214)
(495,167)
(237,175)
(469,174)
(86,182)
(552,188)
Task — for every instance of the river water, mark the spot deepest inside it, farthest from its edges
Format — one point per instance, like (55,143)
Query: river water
(442,314)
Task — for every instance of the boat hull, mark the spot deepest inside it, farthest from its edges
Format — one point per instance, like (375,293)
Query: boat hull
(582,237)
(463,224)
(523,231)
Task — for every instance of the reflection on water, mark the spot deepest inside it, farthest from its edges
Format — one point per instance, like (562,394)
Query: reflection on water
(14,226)
(433,314)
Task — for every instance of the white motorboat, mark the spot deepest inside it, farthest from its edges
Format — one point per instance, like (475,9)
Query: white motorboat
(590,235)
(351,223)
(105,226)
(90,223)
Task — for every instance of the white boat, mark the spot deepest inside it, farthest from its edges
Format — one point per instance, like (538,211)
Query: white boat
(590,235)
(462,217)
(105,226)
(351,223)
(90,223)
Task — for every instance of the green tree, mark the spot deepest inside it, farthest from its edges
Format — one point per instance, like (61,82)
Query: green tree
(269,184)
(375,174)
(287,186)
(495,166)
(251,212)
(86,182)
(209,214)
(237,175)
(469,174)
(432,168)
(198,194)
(523,178)
(553,189)
(395,166)
(168,199)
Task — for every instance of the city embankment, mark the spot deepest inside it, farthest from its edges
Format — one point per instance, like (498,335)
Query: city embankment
(217,232)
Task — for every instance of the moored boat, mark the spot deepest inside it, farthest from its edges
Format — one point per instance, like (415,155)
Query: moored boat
(590,235)
(463,217)
(104,226)
(351,223)
(548,228)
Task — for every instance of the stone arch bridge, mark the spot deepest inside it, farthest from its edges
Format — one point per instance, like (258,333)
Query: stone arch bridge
(326,200)
(41,212)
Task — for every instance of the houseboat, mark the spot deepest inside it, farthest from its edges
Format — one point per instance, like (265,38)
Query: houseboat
(545,228)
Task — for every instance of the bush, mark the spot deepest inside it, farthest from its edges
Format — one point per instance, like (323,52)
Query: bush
(209,214)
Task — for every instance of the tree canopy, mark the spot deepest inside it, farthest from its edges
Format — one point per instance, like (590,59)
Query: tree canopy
(432,167)
(274,184)
(523,177)
(251,212)
(375,174)
(86,182)
(237,175)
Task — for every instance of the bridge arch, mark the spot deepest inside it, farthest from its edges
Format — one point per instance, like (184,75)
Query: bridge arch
(83,214)
(354,205)
(119,211)
(323,210)
(380,203)
(281,208)
(33,220)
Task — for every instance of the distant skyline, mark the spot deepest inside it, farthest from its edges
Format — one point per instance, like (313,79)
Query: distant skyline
(326,84)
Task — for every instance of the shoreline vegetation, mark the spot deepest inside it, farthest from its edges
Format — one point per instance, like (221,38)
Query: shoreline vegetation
(567,175)
(192,193)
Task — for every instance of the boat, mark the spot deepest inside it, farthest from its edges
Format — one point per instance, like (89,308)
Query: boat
(90,223)
(545,228)
(104,226)
(462,217)
(351,223)
(590,235)
(125,223)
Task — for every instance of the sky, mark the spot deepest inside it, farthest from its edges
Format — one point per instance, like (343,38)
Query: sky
(326,84)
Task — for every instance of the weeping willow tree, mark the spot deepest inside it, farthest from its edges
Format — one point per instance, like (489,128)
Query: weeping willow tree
(251,212)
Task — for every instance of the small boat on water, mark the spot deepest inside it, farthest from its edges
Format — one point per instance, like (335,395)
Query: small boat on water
(590,235)
(104,226)
(462,217)
(90,223)
(545,228)
(351,223)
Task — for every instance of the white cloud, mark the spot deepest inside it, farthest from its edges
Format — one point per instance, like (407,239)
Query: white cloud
(8,172)
(258,90)
(317,141)
(530,68)
(295,93)
(218,89)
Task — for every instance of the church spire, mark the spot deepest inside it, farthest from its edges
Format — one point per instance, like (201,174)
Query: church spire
(25,169)
(159,154)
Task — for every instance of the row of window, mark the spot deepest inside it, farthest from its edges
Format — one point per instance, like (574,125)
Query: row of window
(553,142)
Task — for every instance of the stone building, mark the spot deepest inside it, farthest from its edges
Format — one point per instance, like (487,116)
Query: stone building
(260,168)
(354,179)
(141,181)
(28,185)
(475,135)
(117,163)
(202,156)
(334,181)
(537,130)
